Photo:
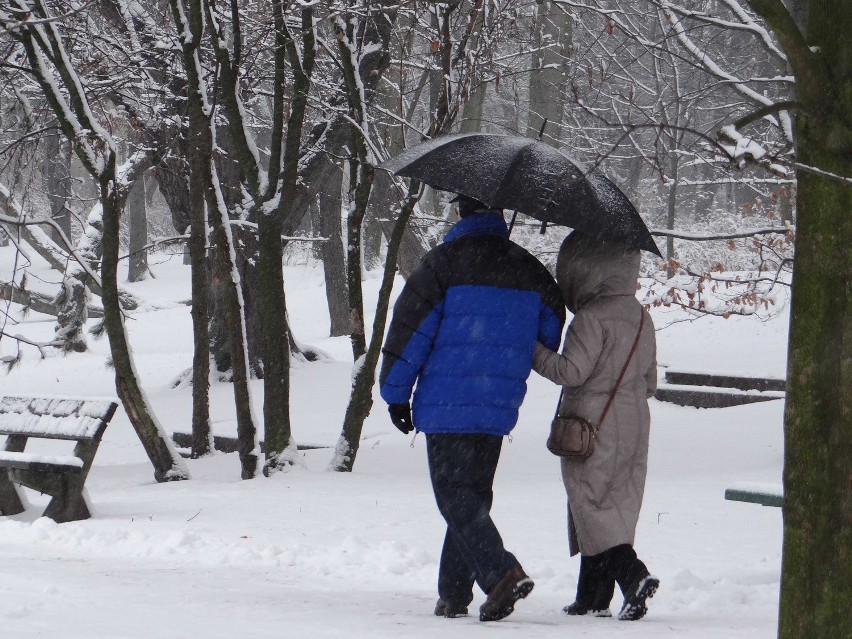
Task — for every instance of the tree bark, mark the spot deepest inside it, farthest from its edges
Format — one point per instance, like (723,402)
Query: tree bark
(361,398)
(816,572)
(354,270)
(333,257)
(168,466)
(816,583)
(137,224)
(73,297)
(671,214)
(57,178)
(200,149)
(234,307)
(547,80)
(202,137)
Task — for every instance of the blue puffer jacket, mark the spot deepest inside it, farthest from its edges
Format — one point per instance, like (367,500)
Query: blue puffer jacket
(464,328)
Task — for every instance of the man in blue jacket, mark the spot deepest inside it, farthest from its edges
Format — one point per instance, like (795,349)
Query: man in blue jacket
(464,328)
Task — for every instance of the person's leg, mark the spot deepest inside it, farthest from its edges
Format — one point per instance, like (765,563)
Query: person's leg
(462,469)
(636,583)
(603,587)
(594,588)
(514,584)
(455,580)
(585,590)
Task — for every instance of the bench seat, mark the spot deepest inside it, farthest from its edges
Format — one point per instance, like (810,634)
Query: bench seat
(80,420)
(42,463)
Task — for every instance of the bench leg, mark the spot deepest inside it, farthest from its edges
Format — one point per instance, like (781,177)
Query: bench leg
(10,501)
(69,504)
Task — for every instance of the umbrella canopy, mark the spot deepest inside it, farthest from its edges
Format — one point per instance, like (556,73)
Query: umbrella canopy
(511,172)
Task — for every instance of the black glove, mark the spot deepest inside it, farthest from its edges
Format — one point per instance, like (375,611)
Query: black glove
(400,415)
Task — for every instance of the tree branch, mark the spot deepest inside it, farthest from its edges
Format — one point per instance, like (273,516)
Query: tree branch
(696,237)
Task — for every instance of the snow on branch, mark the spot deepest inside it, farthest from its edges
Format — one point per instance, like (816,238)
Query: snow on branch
(703,237)
(746,23)
(714,68)
(10,24)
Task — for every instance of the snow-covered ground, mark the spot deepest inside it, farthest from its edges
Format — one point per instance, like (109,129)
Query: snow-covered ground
(312,554)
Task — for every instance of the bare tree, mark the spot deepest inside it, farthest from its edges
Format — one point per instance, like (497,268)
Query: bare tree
(37,32)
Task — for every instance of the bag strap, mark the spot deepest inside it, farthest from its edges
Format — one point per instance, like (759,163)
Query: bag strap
(620,377)
(624,368)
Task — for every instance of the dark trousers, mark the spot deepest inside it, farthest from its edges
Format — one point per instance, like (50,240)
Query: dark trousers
(462,469)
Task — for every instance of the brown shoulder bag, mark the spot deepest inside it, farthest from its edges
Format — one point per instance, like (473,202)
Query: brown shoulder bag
(574,436)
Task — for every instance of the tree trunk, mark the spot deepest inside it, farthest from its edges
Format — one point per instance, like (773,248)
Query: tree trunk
(548,76)
(199,147)
(57,178)
(276,344)
(168,466)
(816,571)
(385,197)
(331,136)
(671,215)
(244,237)
(471,121)
(361,398)
(385,201)
(816,583)
(333,258)
(354,223)
(203,136)
(73,297)
(137,224)
(234,308)
(373,238)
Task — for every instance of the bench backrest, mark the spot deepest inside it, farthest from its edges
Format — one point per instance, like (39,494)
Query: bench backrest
(55,417)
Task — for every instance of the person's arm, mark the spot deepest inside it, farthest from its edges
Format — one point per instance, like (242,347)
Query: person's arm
(550,323)
(583,346)
(416,317)
(551,316)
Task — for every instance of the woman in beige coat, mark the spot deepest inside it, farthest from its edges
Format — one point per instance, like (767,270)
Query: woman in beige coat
(598,282)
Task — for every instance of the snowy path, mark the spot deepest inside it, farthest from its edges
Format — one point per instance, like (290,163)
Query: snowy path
(320,554)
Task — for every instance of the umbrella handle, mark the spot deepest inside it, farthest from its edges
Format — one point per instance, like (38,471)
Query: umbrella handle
(512,222)
(541,131)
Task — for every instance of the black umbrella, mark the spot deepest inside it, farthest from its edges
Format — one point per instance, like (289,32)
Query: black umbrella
(510,172)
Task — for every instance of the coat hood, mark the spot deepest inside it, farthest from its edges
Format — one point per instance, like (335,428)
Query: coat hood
(587,269)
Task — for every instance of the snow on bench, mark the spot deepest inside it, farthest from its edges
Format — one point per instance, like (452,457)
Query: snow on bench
(60,476)
(53,418)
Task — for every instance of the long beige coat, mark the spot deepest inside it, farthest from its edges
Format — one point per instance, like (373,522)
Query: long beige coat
(604,491)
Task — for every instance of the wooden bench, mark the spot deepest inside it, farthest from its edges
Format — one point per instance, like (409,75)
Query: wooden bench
(60,476)
(763,494)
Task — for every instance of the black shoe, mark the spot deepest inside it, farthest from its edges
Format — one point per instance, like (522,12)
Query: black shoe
(642,589)
(449,610)
(578,609)
(500,603)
